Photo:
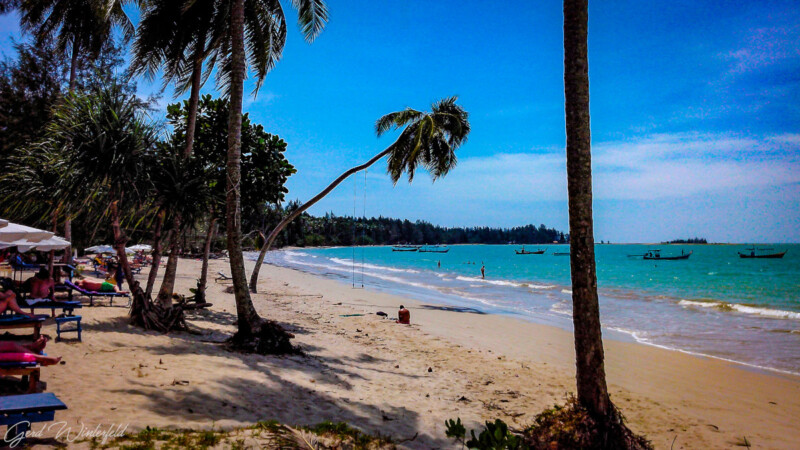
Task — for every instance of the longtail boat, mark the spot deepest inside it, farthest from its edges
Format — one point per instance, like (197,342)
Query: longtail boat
(526,252)
(434,249)
(753,254)
(656,255)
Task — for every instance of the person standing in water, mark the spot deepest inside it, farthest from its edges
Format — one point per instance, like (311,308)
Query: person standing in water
(439,263)
(483,270)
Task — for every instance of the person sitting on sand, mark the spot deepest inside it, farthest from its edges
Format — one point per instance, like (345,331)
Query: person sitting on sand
(14,352)
(42,285)
(404,316)
(8,299)
(98,285)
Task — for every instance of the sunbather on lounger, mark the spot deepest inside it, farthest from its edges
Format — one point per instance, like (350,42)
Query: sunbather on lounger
(42,285)
(14,352)
(97,285)
(8,300)
(36,346)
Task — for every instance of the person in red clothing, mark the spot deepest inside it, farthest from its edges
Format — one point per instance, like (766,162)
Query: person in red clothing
(404,316)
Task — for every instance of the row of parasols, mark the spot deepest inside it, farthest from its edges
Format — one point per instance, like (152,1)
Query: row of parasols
(26,238)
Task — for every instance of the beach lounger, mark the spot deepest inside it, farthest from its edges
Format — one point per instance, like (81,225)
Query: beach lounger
(17,321)
(18,412)
(222,277)
(68,307)
(92,294)
(29,371)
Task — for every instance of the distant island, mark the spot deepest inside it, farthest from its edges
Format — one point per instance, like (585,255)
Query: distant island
(310,231)
(695,240)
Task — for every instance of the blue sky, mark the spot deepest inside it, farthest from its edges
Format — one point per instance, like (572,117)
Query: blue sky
(695,113)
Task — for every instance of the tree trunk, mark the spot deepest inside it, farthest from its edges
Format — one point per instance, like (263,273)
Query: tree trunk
(52,254)
(296,213)
(249,322)
(200,295)
(68,237)
(170,272)
(194,99)
(120,241)
(73,67)
(156,254)
(591,379)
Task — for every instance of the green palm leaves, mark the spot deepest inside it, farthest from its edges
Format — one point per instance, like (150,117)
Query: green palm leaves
(430,139)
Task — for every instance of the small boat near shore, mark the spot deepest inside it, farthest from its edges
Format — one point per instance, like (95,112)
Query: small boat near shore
(405,248)
(434,249)
(656,255)
(561,254)
(755,255)
(526,252)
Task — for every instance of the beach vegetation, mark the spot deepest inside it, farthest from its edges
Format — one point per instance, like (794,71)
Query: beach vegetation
(429,139)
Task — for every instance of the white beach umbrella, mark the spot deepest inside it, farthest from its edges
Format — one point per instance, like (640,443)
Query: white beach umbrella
(105,248)
(3,223)
(15,232)
(46,245)
(141,248)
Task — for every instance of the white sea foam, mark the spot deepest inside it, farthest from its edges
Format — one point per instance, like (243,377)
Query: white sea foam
(566,291)
(744,309)
(505,283)
(350,263)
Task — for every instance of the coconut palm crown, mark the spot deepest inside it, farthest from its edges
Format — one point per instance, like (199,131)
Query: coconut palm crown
(430,139)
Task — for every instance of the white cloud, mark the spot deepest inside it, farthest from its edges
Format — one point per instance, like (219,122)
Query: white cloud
(654,167)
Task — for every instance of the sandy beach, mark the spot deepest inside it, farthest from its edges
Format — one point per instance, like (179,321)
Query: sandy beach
(393,379)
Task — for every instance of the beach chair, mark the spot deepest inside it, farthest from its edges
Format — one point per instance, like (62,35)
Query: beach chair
(28,371)
(17,321)
(222,277)
(18,412)
(68,307)
(92,294)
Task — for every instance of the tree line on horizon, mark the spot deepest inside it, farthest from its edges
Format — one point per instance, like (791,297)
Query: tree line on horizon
(333,230)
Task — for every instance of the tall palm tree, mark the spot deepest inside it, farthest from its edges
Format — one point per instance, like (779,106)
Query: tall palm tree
(262,54)
(591,377)
(78,26)
(430,140)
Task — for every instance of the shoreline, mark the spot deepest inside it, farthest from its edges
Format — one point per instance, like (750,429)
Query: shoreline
(392,379)
(382,279)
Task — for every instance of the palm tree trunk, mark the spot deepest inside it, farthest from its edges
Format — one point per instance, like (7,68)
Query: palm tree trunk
(73,75)
(296,213)
(171,271)
(151,278)
(200,296)
(120,241)
(73,67)
(591,379)
(194,99)
(249,322)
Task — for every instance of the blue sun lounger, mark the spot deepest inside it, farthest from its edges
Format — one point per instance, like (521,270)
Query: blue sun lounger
(92,294)
(29,371)
(68,307)
(18,412)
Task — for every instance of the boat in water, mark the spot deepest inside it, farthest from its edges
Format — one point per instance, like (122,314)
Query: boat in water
(561,254)
(526,252)
(405,248)
(656,255)
(434,249)
(753,254)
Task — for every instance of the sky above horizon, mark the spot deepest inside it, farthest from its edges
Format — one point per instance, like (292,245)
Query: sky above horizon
(694,107)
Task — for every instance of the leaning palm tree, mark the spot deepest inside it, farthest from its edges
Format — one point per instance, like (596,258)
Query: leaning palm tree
(590,374)
(430,139)
(262,53)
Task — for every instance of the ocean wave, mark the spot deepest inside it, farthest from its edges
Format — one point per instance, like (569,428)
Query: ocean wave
(744,309)
(566,291)
(349,263)
(505,283)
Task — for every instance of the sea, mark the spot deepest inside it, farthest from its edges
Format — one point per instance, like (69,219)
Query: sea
(713,304)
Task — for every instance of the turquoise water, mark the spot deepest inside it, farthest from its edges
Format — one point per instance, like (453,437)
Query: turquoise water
(714,303)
